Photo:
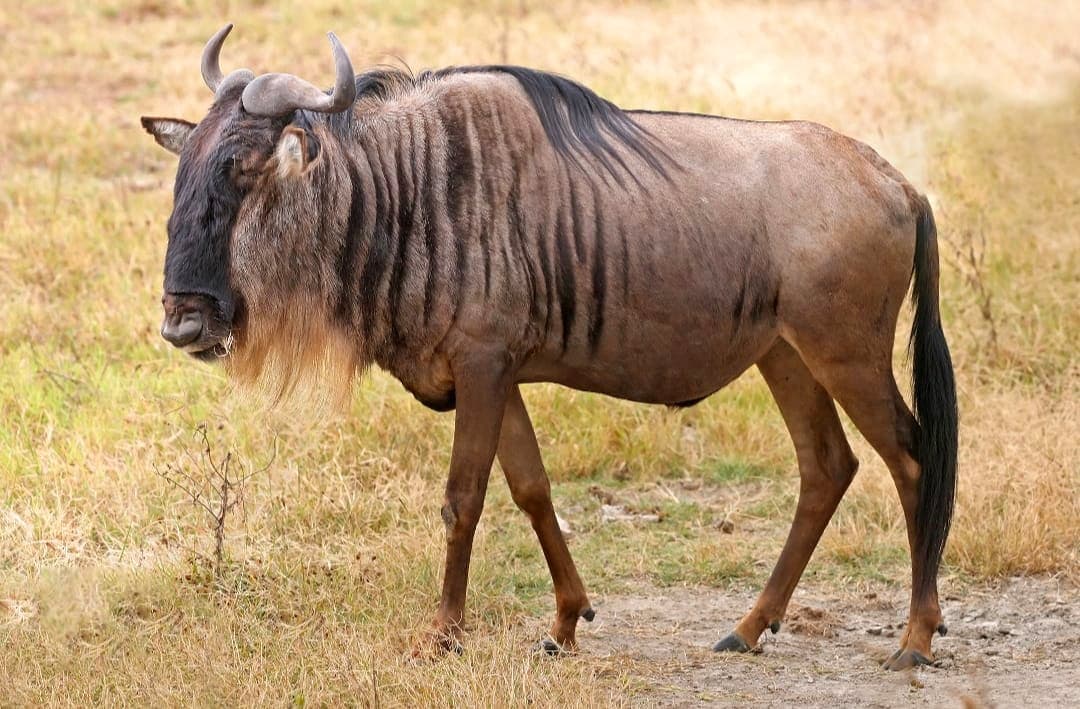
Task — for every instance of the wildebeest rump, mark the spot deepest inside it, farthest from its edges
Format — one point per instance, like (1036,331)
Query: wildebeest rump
(472,229)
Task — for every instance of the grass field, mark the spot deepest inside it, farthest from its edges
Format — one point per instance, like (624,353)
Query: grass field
(109,590)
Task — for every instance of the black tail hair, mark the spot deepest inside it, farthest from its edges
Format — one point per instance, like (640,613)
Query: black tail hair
(934,394)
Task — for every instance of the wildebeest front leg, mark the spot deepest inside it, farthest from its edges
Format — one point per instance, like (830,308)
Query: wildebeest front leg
(481,389)
(520,458)
(870,397)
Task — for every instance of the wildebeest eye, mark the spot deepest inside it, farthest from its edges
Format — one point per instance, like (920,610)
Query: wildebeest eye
(227,167)
(235,166)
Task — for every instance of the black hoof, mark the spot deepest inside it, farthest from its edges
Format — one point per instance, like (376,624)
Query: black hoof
(942,630)
(588,614)
(550,648)
(774,627)
(732,643)
(906,659)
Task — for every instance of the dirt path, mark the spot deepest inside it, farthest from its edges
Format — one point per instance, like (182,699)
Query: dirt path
(1015,645)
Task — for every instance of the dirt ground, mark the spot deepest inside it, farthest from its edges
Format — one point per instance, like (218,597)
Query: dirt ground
(1017,644)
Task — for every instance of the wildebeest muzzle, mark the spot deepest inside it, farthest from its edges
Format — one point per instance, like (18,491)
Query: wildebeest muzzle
(192,323)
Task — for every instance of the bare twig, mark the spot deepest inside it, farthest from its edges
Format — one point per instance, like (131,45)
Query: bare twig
(967,248)
(969,255)
(212,485)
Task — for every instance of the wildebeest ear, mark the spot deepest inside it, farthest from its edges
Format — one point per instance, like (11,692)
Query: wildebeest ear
(296,149)
(170,133)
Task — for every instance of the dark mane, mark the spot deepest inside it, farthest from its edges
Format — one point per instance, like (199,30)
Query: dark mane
(376,84)
(577,121)
(379,83)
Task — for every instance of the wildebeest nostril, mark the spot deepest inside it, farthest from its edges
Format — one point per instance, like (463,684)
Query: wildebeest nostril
(181,330)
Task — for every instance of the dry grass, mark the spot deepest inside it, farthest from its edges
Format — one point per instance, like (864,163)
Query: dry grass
(332,563)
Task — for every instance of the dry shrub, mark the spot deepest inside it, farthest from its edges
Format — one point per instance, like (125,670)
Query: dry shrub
(1018,504)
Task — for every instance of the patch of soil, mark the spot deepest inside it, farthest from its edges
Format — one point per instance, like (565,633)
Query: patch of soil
(1016,644)
(807,620)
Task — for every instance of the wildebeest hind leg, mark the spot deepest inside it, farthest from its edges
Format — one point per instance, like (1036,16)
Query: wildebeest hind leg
(826,467)
(867,391)
(519,456)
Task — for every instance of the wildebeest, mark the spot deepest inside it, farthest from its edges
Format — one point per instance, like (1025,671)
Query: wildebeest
(476,228)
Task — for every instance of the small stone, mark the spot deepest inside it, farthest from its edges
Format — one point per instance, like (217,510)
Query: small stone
(876,630)
(611,513)
(618,513)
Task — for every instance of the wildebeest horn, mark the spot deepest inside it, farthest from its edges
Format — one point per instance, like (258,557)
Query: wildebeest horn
(280,94)
(211,68)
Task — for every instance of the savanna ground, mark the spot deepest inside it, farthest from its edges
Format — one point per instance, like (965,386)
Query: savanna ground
(109,588)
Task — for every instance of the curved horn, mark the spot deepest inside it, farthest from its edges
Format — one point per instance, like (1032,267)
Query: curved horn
(211,68)
(281,94)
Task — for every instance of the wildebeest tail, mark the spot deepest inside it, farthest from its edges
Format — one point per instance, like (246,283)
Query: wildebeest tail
(934,395)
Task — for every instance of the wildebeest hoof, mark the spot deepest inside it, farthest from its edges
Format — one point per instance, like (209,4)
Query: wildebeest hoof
(906,659)
(774,627)
(732,643)
(942,630)
(549,647)
(588,614)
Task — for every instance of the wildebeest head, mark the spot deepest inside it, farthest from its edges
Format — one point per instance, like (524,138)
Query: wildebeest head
(252,135)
